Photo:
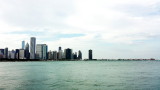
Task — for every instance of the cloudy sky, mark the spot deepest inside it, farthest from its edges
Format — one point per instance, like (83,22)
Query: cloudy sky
(111,28)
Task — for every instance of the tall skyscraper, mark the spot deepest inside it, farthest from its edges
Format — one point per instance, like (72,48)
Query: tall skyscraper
(6,53)
(60,48)
(90,55)
(68,54)
(23,44)
(45,51)
(32,47)
(27,51)
(41,51)
(60,53)
(79,55)
(17,53)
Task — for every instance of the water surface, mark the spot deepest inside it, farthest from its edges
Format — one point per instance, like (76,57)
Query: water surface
(80,75)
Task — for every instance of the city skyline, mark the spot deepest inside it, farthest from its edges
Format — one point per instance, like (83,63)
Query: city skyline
(36,51)
(112,29)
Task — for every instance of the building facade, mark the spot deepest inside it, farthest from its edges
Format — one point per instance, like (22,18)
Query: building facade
(68,54)
(23,44)
(79,55)
(27,54)
(22,54)
(1,53)
(90,57)
(6,53)
(32,47)
(41,51)
(54,55)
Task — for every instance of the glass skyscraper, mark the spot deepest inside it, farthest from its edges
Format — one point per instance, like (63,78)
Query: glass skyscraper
(32,47)
(23,44)
(27,51)
(41,51)
(90,55)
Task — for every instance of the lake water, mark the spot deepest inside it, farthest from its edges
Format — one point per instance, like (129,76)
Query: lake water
(80,75)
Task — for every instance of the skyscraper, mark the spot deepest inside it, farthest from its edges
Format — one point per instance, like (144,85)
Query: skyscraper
(60,53)
(6,53)
(79,55)
(1,53)
(54,55)
(45,50)
(21,54)
(32,47)
(13,54)
(27,51)
(59,48)
(23,44)
(75,56)
(50,55)
(68,54)
(90,54)
(17,53)
(41,51)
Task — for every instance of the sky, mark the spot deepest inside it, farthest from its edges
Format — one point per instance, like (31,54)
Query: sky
(111,28)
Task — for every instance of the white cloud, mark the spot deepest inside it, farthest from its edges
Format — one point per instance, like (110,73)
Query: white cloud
(103,22)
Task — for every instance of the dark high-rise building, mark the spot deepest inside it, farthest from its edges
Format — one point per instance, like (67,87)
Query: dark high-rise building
(32,47)
(59,48)
(79,55)
(68,54)
(17,53)
(1,53)
(75,55)
(6,53)
(90,55)
(27,56)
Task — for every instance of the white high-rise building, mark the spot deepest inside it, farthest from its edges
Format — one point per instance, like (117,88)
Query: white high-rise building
(23,44)
(21,54)
(32,47)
